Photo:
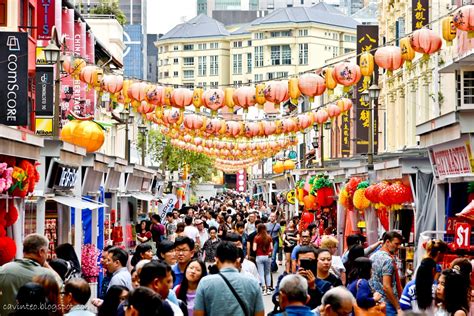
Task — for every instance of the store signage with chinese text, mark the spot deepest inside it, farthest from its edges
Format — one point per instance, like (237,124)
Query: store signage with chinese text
(420,13)
(346,134)
(452,160)
(367,40)
(44,90)
(14,82)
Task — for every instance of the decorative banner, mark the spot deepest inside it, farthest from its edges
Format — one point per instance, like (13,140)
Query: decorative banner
(44,91)
(45,18)
(241,181)
(44,126)
(79,88)
(420,13)
(90,57)
(367,40)
(67,82)
(346,134)
(167,205)
(452,159)
(14,82)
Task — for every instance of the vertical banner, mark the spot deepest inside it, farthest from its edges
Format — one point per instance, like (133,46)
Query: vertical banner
(79,89)
(14,79)
(241,181)
(420,14)
(367,40)
(346,134)
(90,56)
(44,91)
(67,82)
(46,18)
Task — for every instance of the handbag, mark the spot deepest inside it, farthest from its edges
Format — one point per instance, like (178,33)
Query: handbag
(377,310)
(241,303)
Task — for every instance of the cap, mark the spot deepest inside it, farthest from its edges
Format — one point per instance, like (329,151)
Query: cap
(198,221)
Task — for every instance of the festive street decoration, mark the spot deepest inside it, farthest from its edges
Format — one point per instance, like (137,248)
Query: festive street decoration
(89,262)
(448,30)
(359,200)
(83,132)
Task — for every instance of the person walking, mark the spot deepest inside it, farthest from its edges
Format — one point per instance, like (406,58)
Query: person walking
(186,291)
(210,246)
(385,278)
(263,247)
(324,261)
(337,301)
(290,239)
(228,292)
(117,259)
(273,227)
(293,296)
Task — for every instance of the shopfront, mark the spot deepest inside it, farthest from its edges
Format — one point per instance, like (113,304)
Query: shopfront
(55,209)
(19,154)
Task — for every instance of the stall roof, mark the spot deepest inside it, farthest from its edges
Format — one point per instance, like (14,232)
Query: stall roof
(144,196)
(78,202)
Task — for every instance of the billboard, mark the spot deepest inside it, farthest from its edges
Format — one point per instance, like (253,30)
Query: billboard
(46,18)
(14,82)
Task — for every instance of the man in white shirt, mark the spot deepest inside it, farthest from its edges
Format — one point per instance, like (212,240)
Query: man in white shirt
(191,231)
(250,225)
(203,235)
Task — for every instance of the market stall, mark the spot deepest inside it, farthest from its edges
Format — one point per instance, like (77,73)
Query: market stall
(19,153)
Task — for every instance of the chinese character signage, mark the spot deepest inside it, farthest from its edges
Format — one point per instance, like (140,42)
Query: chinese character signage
(14,80)
(367,40)
(420,13)
(346,134)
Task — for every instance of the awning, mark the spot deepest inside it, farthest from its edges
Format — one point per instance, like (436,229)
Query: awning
(144,196)
(77,202)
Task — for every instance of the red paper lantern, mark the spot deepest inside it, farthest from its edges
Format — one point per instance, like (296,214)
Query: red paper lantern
(347,73)
(352,184)
(7,250)
(425,41)
(306,219)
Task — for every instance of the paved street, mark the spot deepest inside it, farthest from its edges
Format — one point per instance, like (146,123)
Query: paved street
(267,299)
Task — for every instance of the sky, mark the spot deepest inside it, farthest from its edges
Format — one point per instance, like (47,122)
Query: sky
(163,15)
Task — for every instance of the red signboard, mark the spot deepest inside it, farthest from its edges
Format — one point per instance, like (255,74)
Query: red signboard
(90,56)
(241,181)
(46,18)
(462,237)
(79,89)
(67,82)
(450,223)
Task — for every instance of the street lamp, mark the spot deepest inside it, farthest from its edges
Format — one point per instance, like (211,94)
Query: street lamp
(125,116)
(371,96)
(51,54)
(163,158)
(143,129)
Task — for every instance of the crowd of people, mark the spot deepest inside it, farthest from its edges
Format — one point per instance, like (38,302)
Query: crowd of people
(221,257)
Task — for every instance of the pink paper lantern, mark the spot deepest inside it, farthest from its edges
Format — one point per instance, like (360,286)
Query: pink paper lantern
(311,85)
(347,73)
(425,41)
(389,57)
(213,99)
(321,116)
(244,97)
(181,97)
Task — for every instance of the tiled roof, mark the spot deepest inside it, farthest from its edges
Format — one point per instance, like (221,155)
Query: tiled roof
(320,13)
(199,26)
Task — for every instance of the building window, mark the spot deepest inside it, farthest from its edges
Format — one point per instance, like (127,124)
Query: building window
(237,83)
(214,65)
(214,84)
(303,32)
(188,61)
(348,50)
(277,75)
(188,74)
(202,46)
(258,56)
(258,36)
(335,36)
(303,54)
(349,38)
(189,85)
(258,77)
(249,43)
(237,44)
(175,61)
(249,63)
(280,55)
(3,12)
(237,63)
(175,74)
(188,47)
(202,65)
(214,45)
(166,74)
(335,51)
(175,47)
(280,34)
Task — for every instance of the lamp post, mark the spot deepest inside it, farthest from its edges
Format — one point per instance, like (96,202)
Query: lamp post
(369,96)
(125,116)
(143,129)
(51,54)
(163,159)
